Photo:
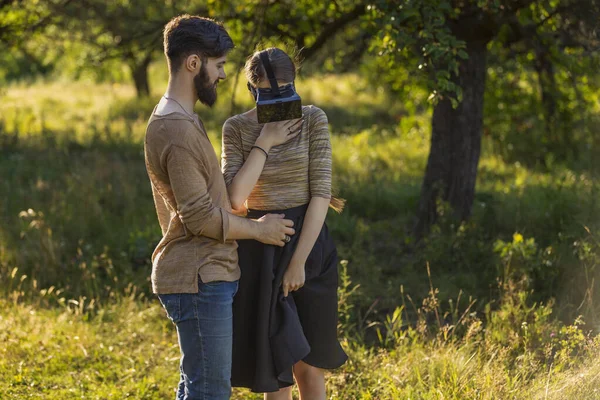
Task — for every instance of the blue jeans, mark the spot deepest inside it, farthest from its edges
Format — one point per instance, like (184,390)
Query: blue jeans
(204,323)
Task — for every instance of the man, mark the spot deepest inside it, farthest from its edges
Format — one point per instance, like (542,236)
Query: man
(195,266)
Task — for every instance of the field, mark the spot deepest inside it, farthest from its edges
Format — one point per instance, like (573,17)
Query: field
(504,306)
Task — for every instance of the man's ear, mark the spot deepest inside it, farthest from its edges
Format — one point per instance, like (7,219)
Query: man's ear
(193,63)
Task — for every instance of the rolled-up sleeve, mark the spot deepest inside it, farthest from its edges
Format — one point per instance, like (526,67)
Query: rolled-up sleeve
(232,153)
(189,183)
(319,155)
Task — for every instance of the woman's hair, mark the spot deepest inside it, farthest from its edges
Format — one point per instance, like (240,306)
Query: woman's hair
(337,204)
(284,69)
(282,64)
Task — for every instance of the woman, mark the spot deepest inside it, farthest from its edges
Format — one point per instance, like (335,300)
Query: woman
(285,312)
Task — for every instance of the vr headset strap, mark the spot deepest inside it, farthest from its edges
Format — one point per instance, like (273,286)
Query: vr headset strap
(264,57)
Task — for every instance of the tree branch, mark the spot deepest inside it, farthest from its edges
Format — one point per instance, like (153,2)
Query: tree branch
(331,29)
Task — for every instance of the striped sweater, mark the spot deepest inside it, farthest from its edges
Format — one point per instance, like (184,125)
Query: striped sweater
(294,172)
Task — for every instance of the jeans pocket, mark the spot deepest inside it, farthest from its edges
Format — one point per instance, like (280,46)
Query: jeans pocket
(213,283)
(172,305)
(218,289)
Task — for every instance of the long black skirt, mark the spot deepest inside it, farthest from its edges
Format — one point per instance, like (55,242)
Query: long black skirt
(271,332)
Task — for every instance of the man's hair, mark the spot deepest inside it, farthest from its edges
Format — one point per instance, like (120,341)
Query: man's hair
(186,35)
(282,64)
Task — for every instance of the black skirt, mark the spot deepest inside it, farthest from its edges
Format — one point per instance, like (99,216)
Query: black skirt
(271,332)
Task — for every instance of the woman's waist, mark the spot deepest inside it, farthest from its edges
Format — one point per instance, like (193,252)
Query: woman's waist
(290,213)
(277,198)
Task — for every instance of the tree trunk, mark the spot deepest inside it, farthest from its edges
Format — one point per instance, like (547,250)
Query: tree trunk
(556,141)
(455,145)
(139,73)
(547,81)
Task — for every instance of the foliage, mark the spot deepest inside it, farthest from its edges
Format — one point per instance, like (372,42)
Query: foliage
(543,84)
(91,35)
(418,30)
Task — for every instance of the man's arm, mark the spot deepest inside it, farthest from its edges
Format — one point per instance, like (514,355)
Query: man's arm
(270,229)
(188,179)
(201,217)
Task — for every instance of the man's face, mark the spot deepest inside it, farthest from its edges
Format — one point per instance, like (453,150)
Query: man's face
(205,82)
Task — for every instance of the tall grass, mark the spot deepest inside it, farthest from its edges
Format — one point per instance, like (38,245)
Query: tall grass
(129,349)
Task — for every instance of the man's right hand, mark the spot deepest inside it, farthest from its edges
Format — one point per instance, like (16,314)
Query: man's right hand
(273,229)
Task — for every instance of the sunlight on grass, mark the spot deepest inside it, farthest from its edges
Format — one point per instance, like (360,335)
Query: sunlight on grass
(81,110)
(129,349)
(78,227)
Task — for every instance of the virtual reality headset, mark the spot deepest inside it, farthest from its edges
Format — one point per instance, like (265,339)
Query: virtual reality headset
(275,103)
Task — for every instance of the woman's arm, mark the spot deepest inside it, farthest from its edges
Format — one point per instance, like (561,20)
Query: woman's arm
(244,179)
(319,171)
(313,223)
(243,182)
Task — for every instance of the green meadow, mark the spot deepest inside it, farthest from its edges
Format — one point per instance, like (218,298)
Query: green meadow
(503,306)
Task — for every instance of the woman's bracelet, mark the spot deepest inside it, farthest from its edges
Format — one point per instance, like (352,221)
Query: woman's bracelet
(261,149)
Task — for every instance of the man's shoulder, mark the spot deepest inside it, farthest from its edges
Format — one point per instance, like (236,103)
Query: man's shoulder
(179,132)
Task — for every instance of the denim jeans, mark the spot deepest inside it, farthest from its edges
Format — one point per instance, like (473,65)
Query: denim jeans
(204,328)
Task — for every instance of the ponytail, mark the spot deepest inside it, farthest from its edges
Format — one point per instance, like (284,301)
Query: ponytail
(337,204)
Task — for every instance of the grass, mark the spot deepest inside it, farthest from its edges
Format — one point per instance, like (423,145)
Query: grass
(129,350)
(487,309)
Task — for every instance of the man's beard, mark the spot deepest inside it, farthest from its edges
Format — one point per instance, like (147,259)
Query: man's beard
(206,90)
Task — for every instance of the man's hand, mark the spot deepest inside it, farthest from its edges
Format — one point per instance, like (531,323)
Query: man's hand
(293,279)
(240,212)
(276,133)
(275,230)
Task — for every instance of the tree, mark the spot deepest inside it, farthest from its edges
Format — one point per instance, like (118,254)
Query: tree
(22,23)
(129,30)
(306,26)
(100,31)
(451,40)
(562,51)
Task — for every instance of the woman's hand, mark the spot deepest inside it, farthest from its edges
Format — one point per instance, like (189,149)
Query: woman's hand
(276,133)
(293,279)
